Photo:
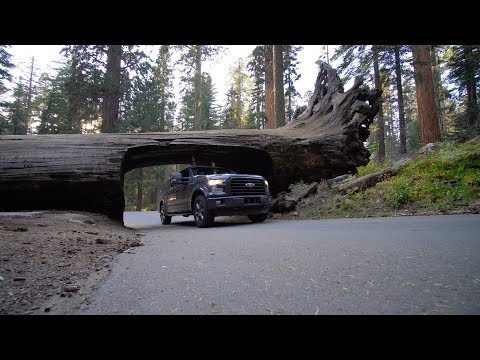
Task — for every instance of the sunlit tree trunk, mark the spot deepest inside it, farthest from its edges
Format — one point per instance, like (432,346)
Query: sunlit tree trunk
(278,80)
(111,97)
(269,88)
(427,112)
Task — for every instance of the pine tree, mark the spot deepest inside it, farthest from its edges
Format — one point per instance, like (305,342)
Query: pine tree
(290,76)
(105,71)
(209,116)
(163,75)
(464,65)
(186,115)
(239,98)
(191,58)
(256,68)
(53,104)
(149,104)
(5,66)
(17,113)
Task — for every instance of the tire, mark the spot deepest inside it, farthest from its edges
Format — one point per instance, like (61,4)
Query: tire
(256,218)
(164,218)
(203,217)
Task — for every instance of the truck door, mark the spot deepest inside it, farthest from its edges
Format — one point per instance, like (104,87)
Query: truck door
(183,193)
(172,202)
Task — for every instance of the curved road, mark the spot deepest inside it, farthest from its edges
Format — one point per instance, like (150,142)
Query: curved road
(399,265)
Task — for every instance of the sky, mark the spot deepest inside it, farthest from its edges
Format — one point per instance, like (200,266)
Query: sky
(46,55)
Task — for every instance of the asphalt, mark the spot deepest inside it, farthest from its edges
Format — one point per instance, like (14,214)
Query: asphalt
(375,266)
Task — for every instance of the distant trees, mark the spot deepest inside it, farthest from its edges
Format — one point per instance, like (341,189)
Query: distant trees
(191,58)
(239,98)
(5,66)
(291,75)
(112,88)
(463,63)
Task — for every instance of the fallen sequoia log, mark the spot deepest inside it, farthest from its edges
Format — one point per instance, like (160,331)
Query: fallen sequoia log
(85,172)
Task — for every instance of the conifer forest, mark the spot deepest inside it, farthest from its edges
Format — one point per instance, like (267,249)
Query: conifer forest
(429,93)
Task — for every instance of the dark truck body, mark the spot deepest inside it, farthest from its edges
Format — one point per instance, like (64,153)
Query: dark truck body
(215,191)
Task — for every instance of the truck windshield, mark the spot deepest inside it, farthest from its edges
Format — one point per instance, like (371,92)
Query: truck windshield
(211,171)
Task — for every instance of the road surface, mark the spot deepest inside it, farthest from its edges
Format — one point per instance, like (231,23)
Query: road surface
(399,265)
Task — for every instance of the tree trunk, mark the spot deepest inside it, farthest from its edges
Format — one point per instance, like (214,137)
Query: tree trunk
(85,172)
(112,92)
(28,118)
(380,117)
(401,105)
(139,189)
(278,81)
(269,87)
(427,114)
(198,86)
(437,88)
(472,110)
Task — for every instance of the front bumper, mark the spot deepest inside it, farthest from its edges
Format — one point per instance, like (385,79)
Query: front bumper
(239,205)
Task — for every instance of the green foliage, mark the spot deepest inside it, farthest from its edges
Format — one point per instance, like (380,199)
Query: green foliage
(149,103)
(17,117)
(150,179)
(372,167)
(209,110)
(239,97)
(447,180)
(450,176)
(463,62)
(5,66)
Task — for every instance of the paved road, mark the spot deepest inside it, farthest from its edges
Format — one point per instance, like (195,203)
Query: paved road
(402,265)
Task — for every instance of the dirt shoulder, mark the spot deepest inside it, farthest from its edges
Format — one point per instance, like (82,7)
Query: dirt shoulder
(50,261)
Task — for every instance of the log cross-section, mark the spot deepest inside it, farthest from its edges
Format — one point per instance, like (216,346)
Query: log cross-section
(85,172)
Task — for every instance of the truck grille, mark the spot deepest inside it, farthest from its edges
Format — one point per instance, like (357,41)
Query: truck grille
(238,186)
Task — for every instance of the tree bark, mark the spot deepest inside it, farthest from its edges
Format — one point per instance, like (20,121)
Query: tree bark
(85,172)
(269,88)
(278,81)
(380,117)
(437,88)
(401,104)
(198,85)
(112,92)
(427,114)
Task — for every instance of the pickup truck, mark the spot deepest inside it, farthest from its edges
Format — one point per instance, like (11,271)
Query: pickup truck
(209,191)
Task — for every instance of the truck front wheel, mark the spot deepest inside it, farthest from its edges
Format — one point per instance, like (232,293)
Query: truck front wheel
(166,220)
(203,217)
(258,217)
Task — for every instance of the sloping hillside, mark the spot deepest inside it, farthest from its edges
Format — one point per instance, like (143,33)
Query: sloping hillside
(439,179)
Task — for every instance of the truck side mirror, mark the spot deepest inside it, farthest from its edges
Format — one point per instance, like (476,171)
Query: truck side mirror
(176,178)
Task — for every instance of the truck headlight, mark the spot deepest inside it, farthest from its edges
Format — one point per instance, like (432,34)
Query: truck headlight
(216,185)
(266,182)
(215,182)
